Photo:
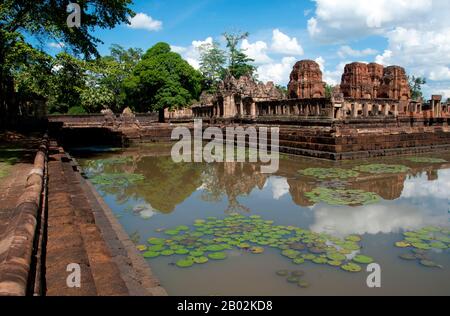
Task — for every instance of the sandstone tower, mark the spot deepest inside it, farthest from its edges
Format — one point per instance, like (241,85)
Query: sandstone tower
(306,81)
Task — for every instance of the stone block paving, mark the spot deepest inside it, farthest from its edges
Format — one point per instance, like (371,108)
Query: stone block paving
(73,237)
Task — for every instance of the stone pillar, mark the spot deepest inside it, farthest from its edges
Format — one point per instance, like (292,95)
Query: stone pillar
(354,110)
(241,108)
(386,110)
(253,109)
(365,110)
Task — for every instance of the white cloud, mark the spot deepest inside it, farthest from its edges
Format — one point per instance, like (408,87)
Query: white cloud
(371,219)
(191,53)
(57,45)
(337,20)
(332,77)
(278,72)
(280,187)
(145,22)
(347,51)
(422,187)
(256,51)
(283,44)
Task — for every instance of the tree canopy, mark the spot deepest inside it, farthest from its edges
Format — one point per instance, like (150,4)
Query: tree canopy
(416,84)
(162,79)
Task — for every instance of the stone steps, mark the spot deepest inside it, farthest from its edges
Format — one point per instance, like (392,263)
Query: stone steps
(73,237)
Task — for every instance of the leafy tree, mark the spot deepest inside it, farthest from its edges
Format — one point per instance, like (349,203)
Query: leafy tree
(48,19)
(212,64)
(68,81)
(162,79)
(416,84)
(239,64)
(328,91)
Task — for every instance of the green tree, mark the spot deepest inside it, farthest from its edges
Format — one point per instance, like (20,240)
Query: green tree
(212,64)
(328,90)
(162,79)
(68,81)
(239,64)
(416,83)
(105,77)
(48,19)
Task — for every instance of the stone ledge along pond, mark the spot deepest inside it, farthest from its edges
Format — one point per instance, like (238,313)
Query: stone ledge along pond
(310,229)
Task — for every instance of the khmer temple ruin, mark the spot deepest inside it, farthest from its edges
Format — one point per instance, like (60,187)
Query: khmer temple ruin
(371,113)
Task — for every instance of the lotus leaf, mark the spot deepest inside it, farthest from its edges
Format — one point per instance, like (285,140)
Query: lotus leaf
(329,173)
(215,248)
(430,264)
(167,252)
(217,256)
(426,160)
(185,263)
(182,251)
(201,260)
(336,257)
(320,260)
(151,254)
(334,263)
(354,238)
(351,267)
(156,241)
(303,284)
(422,246)
(196,253)
(282,273)
(342,196)
(298,261)
(382,169)
(408,256)
(402,244)
(363,259)
(257,250)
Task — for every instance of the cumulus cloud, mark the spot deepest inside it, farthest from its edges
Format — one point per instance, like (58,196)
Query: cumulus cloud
(191,53)
(372,219)
(347,51)
(278,72)
(280,187)
(283,44)
(256,51)
(417,32)
(332,77)
(145,22)
(338,20)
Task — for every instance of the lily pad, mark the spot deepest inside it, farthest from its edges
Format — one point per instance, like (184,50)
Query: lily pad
(363,259)
(303,284)
(336,257)
(182,251)
(201,260)
(351,267)
(298,261)
(167,252)
(257,250)
(141,247)
(329,173)
(430,264)
(156,241)
(185,263)
(408,257)
(342,196)
(422,246)
(382,168)
(282,273)
(293,279)
(217,256)
(298,273)
(402,244)
(426,160)
(151,254)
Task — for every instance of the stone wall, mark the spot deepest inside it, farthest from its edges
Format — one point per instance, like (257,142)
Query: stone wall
(19,242)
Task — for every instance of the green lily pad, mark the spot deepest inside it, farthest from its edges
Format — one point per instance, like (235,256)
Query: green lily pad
(182,251)
(257,250)
(354,238)
(329,173)
(167,252)
(430,264)
(422,246)
(402,244)
(298,261)
(156,241)
(426,160)
(334,263)
(151,254)
(185,263)
(171,232)
(382,168)
(201,260)
(408,257)
(196,253)
(342,196)
(303,284)
(336,257)
(438,245)
(217,256)
(363,259)
(320,260)
(291,254)
(215,248)
(293,279)
(282,273)
(351,267)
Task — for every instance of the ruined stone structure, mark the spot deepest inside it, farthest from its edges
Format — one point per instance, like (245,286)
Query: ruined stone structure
(236,98)
(373,81)
(306,81)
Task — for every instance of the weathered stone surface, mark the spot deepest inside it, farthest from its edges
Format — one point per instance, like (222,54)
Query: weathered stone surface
(372,81)
(306,81)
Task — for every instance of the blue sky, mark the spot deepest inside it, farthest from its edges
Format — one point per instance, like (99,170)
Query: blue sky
(414,34)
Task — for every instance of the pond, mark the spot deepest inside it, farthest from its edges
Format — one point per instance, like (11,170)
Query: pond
(312,228)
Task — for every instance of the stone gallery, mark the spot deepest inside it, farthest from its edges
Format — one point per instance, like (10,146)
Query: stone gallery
(366,90)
